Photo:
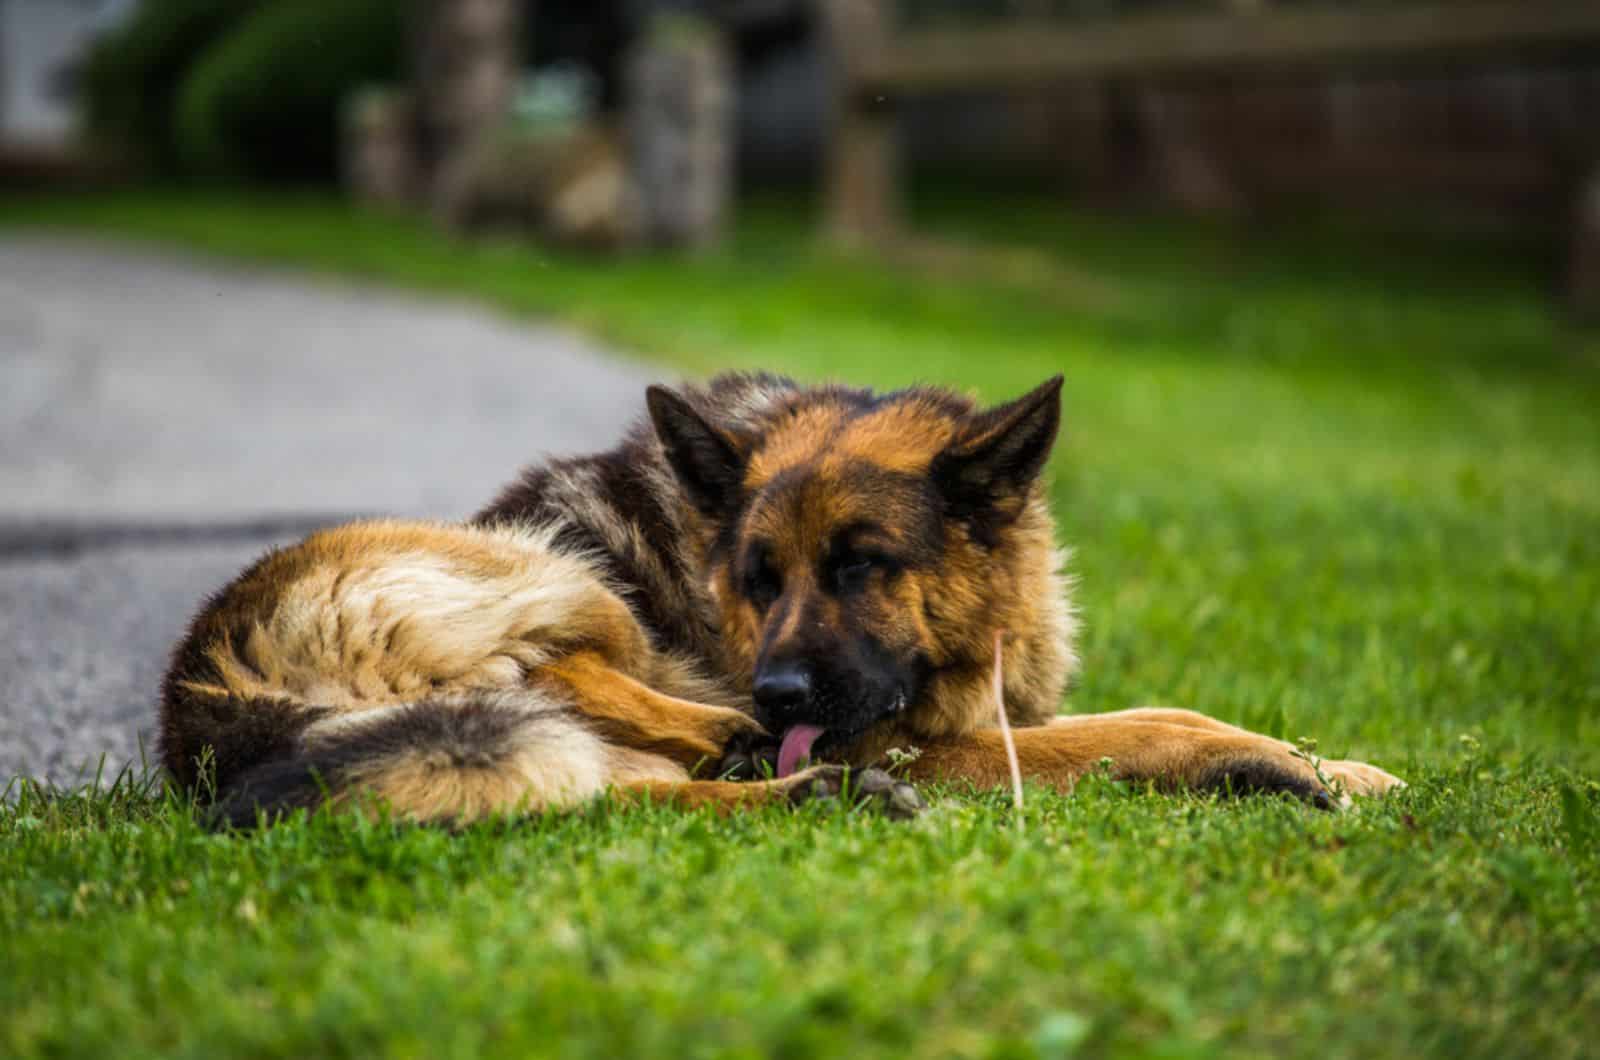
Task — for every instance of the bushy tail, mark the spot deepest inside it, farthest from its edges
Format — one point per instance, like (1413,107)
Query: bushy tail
(443,760)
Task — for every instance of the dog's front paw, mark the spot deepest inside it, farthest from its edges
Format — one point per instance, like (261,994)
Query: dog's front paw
(867,788)
(1359,778)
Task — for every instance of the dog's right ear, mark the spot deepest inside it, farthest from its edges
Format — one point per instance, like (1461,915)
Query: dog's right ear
(708,463)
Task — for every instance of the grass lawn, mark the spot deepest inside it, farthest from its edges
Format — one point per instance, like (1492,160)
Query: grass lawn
(1313,489)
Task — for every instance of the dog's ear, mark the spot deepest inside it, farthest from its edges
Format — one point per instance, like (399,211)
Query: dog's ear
(707,461)
(995,457)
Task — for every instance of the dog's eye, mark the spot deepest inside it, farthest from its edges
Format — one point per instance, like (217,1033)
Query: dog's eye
(853,570)
(762,582)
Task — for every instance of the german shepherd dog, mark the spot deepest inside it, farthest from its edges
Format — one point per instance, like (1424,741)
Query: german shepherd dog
(810,573)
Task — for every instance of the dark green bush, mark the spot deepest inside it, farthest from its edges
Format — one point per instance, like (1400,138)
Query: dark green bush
(263,103)
(132,76)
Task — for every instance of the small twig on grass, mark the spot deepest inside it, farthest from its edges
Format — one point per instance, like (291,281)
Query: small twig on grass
(1305,749)
(1005,726)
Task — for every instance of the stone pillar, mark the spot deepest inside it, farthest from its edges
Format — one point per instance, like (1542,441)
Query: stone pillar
(679,130)
(378,148)
(467,60)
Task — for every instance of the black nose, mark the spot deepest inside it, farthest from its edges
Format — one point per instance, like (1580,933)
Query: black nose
(782,689)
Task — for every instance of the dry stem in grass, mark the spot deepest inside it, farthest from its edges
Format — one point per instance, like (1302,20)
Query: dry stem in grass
(1005,725)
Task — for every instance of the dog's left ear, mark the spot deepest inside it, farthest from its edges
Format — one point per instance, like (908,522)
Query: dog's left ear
(996,457)
(707,461)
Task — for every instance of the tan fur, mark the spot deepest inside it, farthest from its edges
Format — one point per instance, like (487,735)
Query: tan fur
(637,716)
(386,612)
(554,762)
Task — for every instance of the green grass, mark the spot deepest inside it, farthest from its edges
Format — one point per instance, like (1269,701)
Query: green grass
(1313,487)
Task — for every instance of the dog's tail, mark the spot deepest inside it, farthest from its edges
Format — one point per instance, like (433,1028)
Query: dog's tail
(445,760)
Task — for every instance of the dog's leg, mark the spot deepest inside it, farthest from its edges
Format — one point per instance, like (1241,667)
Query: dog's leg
(629,713)
(1170,715)
(869,787)
(1357,777)
(1141,748)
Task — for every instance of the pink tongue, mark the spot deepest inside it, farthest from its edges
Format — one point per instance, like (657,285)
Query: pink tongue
(797,741)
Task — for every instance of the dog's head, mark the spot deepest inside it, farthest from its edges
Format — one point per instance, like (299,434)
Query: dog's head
(860,544)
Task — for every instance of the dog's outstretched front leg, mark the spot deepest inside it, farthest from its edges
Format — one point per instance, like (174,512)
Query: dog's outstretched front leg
(1174,750)
(1350,776)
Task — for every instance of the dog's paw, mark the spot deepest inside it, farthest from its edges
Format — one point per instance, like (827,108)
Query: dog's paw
(749,755)
(867,788)
(1359,778)
(734,727)
(1269,774)
(710,731)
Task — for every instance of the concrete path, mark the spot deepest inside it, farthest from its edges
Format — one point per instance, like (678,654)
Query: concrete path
(163,420)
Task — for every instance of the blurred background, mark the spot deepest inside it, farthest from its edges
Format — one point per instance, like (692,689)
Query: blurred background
(1468,112)
(1317,271)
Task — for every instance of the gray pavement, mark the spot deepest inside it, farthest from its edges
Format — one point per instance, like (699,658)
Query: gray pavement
(165,419)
